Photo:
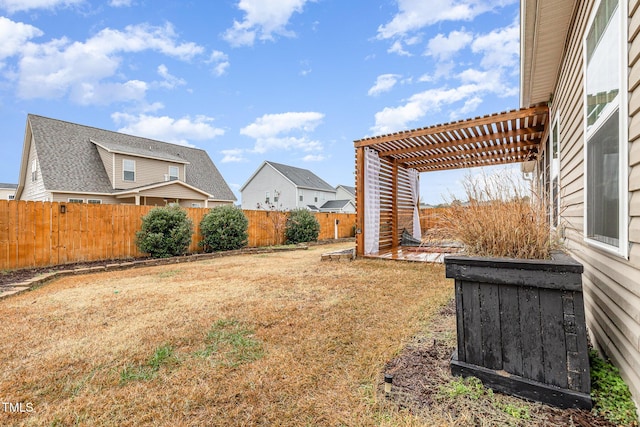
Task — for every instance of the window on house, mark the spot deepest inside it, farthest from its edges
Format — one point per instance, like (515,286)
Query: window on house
(267,197)
(315,197)
(276,196)
(554,173)
(606,122)
(128,170)
(12,197)
(94,201)
(174,173)
(76,200)
(301,196)
(34,170)
(196,205)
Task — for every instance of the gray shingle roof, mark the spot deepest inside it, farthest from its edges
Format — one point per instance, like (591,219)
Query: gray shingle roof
(348,188)
(8,186)
(69,161)
(302,177)
(335,204)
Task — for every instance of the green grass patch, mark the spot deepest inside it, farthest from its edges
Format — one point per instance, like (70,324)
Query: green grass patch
(470,387)
(611,396)
(231,343)
(163,356)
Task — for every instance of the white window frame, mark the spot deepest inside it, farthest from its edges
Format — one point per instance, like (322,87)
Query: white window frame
(622,250)
(196,205)
(75,200)
(267,197)
(176,176)
(94,201)
(124,170)
(34,170)
(12,196)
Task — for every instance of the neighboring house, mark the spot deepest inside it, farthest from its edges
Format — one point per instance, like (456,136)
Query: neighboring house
(277,186)
(67,162)
(8,191)
(338,206)
(582,58)
(345,192)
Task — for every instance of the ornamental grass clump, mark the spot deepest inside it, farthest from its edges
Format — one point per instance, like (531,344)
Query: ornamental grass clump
(502,219)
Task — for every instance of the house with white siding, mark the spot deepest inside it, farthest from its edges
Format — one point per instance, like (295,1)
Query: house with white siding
(582,59)
(283,187)
(8,191)
(68,162)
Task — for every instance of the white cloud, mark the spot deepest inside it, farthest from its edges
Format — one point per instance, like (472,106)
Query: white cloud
(500,48)
(120,3)
(284,131)
(220,61)
(61,67)
(444,47)
(234,155)
(313,158)
(12,6)
(14,35)
(106,93)
(496,64)
(384,83)
(170,81)
(263,19)
(165,128)
(392,119)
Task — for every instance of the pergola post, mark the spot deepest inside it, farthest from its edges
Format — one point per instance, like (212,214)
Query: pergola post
(360,201)
(394,205)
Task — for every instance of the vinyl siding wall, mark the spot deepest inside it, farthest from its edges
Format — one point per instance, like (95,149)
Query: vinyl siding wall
(148,171)
(34,190)
(611,283)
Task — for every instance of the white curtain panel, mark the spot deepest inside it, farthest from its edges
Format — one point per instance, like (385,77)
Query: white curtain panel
(371,201)
(414,178)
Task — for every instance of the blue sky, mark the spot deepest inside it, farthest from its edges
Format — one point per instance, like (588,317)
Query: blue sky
(291,81)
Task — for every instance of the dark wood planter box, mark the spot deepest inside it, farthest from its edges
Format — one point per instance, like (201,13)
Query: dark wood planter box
(521,327)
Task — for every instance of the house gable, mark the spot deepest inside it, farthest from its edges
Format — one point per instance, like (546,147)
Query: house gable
(78,158)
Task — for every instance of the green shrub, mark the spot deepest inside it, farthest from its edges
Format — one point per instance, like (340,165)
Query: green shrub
(165,232)
(302,226)
(224,228)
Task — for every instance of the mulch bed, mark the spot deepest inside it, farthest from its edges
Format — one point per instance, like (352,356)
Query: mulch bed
(422,370)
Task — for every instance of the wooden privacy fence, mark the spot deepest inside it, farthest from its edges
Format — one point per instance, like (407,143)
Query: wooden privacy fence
(39,234)
(433,218)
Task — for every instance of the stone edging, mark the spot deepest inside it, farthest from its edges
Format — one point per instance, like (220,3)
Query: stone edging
(28,284)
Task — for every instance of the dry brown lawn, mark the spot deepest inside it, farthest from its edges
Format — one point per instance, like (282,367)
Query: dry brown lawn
(300,342)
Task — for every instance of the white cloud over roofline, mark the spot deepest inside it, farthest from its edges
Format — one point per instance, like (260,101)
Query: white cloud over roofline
(164,128)
(285,131)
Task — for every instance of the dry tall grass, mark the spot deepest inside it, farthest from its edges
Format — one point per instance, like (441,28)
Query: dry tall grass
(502,219)
(144,347)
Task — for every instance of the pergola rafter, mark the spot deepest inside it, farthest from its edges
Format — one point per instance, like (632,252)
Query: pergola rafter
(508,137)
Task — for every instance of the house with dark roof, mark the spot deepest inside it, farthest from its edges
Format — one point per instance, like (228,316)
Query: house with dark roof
(68,162)
(346,192)
(282,187)
(7,191)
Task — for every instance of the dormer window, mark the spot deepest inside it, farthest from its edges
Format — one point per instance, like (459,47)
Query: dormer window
(128,170)
(174,173)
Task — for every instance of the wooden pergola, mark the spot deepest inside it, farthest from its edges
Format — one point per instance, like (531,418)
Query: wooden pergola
(508,137)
